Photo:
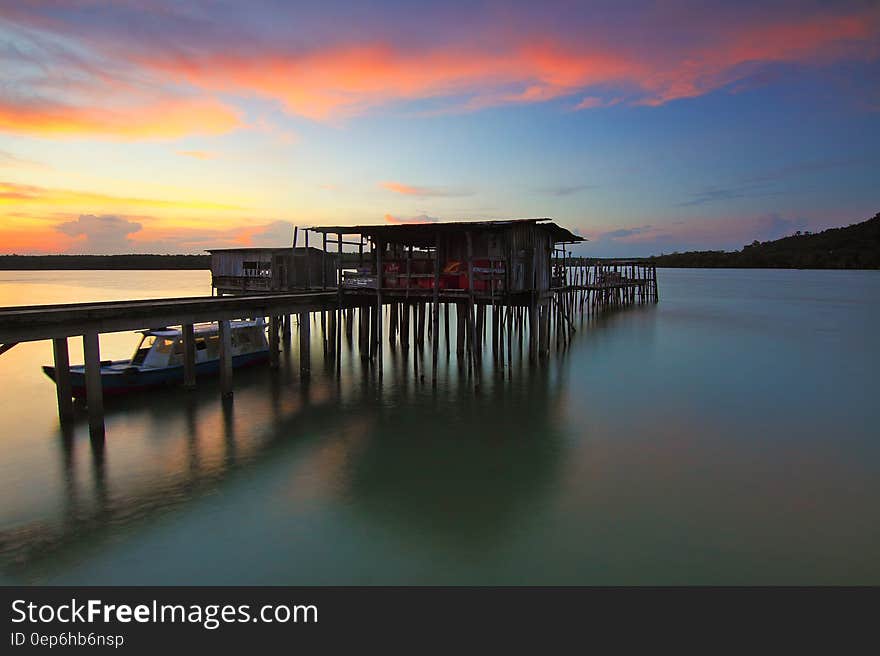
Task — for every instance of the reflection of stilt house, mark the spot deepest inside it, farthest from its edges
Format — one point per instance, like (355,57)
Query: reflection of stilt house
(254,270)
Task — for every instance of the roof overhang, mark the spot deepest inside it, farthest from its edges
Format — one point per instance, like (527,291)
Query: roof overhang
(424,234)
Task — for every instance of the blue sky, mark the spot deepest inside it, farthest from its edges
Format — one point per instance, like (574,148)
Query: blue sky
(647,127)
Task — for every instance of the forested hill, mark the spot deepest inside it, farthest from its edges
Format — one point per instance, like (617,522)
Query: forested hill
(52,262)
(853,247)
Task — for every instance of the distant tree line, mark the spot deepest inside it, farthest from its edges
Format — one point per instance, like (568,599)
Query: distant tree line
(853,247)
(53,262)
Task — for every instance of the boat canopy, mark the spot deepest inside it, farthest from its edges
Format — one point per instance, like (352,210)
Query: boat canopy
(202,328)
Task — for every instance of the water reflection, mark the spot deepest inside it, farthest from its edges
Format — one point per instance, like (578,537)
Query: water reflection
(404,454)
(715,438)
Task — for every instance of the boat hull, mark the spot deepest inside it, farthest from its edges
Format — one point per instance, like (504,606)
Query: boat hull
(118,381)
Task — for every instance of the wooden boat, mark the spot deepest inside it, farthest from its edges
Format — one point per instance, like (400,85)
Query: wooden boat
(158,358)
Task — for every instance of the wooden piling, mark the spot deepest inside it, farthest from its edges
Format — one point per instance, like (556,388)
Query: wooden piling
(189,356)
(471,321)
(63,390)
(404,324)
(420,324)
(94,389)
(446,326)
(225,334)
(435,333)
(533,332)
(339,312)
(285,331)
(393,323)
(273,341)
(379,319)
(305,363)
(460,328)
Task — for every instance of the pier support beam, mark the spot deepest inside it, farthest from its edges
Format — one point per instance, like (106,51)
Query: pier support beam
(435,329)
(533,331)
(62,379)
(304,343)
(225,334)
(189,357)
(379,318)
(94,391)
(274,329)
(285,331)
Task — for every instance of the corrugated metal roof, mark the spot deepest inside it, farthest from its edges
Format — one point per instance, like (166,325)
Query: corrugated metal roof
(422,230)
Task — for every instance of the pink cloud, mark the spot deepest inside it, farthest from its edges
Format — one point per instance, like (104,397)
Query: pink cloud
(661,56)
(411,190)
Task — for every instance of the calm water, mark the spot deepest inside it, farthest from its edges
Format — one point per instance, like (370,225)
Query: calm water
(727,435)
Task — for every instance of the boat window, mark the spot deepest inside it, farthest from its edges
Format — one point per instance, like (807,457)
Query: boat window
(165,345)
(143,348)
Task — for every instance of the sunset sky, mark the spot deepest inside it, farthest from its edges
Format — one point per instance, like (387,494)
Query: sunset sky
(136,126)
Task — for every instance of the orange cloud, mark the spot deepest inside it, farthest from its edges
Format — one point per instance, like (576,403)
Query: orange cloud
(12,193)
(341,81)
(35,240)
(169,118)
(400,188)
(410,190)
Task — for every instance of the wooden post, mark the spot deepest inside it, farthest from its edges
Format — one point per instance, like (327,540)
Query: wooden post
(305,364)
(324,263)
(533,331)
(94,390)
(460,330)
(225,334)
(285,329)
(408,259)
(189,356)
(509,342)
(404,325)
(62,379)
(471,327)
(420,324)
(273,341)
(446,325)
(340,318)
(435,332)
(378,340)
(307,258)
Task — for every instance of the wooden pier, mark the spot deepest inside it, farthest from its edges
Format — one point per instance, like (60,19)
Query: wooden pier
(513,282)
